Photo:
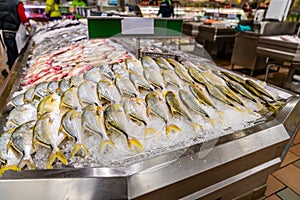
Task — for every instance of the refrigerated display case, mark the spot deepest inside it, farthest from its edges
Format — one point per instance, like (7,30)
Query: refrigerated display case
(228,161)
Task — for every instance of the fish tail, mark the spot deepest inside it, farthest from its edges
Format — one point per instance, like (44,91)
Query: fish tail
(149,130)
(55,155)
(77,148)
(172,127)
(133,142)
(195,125)
(104,143)
(8,167)
(28,162)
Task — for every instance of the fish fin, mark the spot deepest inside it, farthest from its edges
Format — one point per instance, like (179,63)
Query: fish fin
(148,111)
(28,162)
(212,121)
(134,143)
(149,130)
(195,125)
(104,143)
(77,147)
(172,127)
(239,109)
(138,100)
(55,155)
(8,167)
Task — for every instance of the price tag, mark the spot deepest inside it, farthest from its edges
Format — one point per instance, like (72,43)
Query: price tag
(136,26)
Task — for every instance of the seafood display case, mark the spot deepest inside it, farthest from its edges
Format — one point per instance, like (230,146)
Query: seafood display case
(223,154)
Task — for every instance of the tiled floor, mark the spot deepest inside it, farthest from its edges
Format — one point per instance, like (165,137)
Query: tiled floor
(283,184)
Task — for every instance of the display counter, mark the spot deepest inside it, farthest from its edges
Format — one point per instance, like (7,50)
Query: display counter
(228,166)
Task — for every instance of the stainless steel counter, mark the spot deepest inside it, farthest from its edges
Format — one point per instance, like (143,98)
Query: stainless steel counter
(226,167)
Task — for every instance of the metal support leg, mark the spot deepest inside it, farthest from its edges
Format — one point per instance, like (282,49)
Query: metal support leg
(267,72)
(138,47)
(232,65)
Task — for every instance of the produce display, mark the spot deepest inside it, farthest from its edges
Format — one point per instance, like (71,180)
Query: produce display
(90,104)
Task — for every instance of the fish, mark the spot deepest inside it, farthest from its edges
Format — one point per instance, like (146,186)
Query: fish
(154,78)
(139,81)
(156,106)
(115,117)
(70,99)
(234,77)
(171,78)
(41,90)
(93,75)
(12,159)
(136,110)
(125,86)
(191,102)
(87,93)
(47,132)
(71,123)
(4,139)
(174,63)
(134,65)
(22,141)
(176,107)
(76,80)
(52,87)
(107,90)
(197,76)
(149,63)
(48,104)
(63,85)
(20,115)
(17,100)
(200,92)
(163,63)
(218,82)
(118,69)
(107,72)
(259,89)
(93,121)
(183,74)
(29,95)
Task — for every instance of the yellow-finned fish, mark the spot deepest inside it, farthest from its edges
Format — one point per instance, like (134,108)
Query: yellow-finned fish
(48,104)
(47,132)
(197,76)
(93,121)
(87,93)
(93,75)
(108,91)
(63,85)
(156,105)
(22,141)
(259,89)
(20,115)
(134,65)
(41,90)
(136,110)
(17,100)
(191,102)
(70,99)
(171,78)
(52,87)
(163,63)
(149,63)
(115,117)
(154,78)
(125,86)
(176,107)
(139,81)
(188,64)
(118,69)
(76,80)
(9,158)
(202,95)
(29,95)
(72,124)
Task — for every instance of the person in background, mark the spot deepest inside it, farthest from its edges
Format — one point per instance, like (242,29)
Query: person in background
(77,3)
(12,14)
(52,9)
(166,8)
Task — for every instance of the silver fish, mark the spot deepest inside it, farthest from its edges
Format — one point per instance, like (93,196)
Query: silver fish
(107,90)
(154,78)
(93,75)
(87,93)
(125,86)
